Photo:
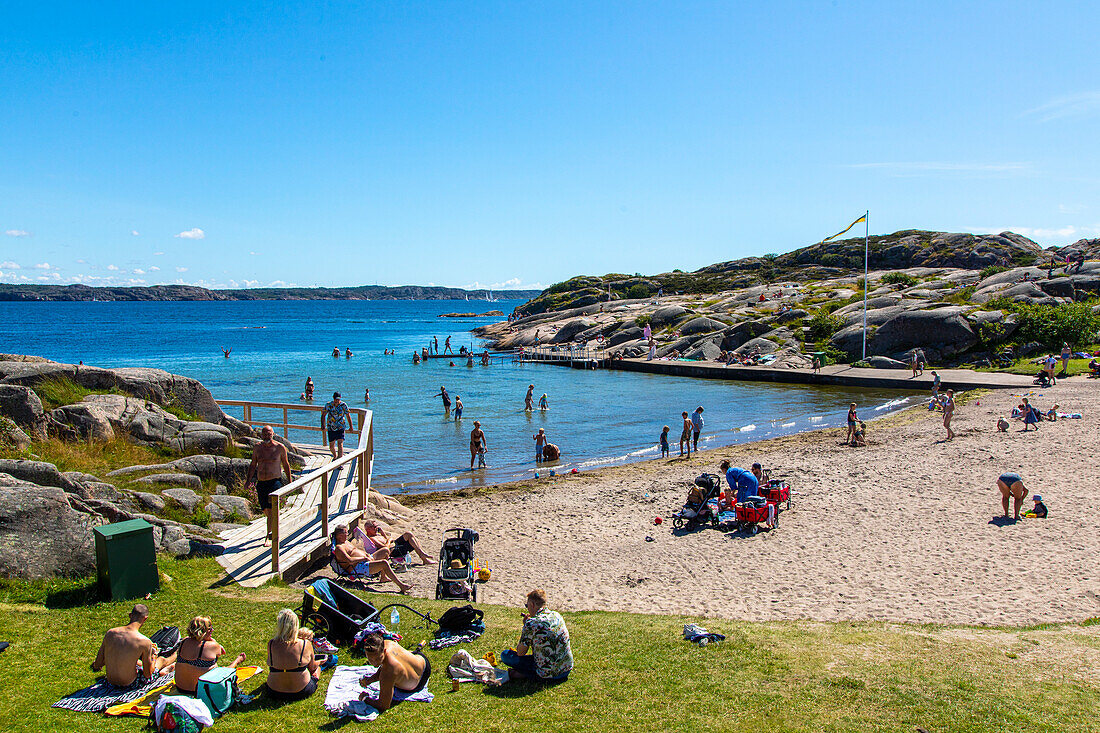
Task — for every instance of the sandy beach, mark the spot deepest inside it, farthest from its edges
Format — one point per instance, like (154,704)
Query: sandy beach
(901,530)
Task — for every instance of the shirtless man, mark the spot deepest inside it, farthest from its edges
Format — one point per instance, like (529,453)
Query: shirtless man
(477,442)
(356,560)
(126,652)
(381,547)
(269,461)
(398,669)
(529,400)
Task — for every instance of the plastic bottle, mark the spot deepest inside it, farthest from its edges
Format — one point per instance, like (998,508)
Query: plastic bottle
(395,617)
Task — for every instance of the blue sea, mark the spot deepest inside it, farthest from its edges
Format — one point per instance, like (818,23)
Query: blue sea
(597,418)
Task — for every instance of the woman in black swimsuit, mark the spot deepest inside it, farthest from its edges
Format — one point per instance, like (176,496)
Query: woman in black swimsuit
(399,670)
(293,671)
(198,654)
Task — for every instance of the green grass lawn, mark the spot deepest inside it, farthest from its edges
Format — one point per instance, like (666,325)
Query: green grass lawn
(633,672)
(1028,367)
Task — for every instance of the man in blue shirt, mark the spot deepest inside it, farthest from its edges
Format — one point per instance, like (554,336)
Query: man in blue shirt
(740,480)
(696,425)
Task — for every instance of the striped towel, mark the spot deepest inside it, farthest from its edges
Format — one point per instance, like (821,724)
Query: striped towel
(102,695)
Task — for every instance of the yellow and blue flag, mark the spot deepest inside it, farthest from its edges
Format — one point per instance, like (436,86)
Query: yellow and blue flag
(848,229)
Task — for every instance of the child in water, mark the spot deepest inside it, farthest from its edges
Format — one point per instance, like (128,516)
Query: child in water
(543,404)
(664,442)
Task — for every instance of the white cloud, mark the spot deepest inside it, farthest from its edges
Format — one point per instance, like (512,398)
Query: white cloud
(251,283)
(10,265)
(135,233)
(112,268)
(1070,105)
(139,271)
(154,268)
(254,253)
(181,269)
(42,266)
(195,233)
(17,233)
(158,254)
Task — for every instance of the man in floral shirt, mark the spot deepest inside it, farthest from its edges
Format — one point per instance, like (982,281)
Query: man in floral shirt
(545,636)
(333,417)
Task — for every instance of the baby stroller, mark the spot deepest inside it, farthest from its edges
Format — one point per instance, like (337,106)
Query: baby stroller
(701,506)
(456,579)
(333,612)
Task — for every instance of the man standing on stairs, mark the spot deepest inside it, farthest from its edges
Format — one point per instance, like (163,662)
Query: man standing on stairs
(269,461)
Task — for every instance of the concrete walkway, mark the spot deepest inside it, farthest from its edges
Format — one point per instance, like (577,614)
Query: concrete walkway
(837,375)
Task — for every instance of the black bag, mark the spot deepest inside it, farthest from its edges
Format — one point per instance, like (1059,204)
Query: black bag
(460,618)
(167,640)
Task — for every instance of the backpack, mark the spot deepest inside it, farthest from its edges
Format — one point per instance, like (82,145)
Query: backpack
(173,719)
(461,618)
(167,640)
(218,689)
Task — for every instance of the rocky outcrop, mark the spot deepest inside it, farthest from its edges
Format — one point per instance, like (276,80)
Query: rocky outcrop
(219,468)
(23,407)
(43,536)
(87,421)
(40,473)
(170,479)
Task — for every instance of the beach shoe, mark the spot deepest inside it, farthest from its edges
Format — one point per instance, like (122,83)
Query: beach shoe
(328,662)
(323,645)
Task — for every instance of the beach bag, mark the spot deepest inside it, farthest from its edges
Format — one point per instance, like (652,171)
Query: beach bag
(461,618)
(218,689)
(174,719)
(167,640)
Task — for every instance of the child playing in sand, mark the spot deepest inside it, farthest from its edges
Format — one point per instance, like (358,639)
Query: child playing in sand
(857,439)
(1002,425)
(1052,414)
(1039,510)
(664,442)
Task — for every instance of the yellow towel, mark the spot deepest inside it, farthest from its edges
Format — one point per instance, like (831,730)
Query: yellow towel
(143,706)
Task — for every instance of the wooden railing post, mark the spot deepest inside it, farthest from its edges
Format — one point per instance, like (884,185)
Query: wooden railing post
(275,535)
(324,504)
(247,409)
(286,420)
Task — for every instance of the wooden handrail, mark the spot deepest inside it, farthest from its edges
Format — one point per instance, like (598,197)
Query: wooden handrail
(362,454)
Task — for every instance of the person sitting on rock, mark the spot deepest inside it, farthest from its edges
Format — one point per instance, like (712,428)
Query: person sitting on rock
(128,655)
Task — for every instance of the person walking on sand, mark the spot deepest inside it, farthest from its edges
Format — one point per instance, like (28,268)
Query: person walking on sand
(269,462)
(478,443)
(913,364)
(447,346)
(696,426)
(935,385)
(1066,354)
(540,444)
(948,412)
(446,398)
(852,420)
(1012,486)
(333,416)
(664,442)
(685,435)
(529,400)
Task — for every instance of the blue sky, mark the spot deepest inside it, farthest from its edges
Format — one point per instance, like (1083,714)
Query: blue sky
(517,144)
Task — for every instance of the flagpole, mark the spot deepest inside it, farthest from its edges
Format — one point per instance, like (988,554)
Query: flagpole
(866,236)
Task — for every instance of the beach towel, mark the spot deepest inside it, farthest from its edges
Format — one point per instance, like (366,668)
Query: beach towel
(102,695)
(342,698)
(464,668)
(142,707)
(195,708)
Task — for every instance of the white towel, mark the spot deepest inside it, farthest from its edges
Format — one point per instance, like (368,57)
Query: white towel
(465,668)
(344,690)
(195,708)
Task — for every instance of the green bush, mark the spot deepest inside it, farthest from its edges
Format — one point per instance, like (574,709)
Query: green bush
(990,334)
(642,320)
(824,324)
(992,270)
(899,278)
(1051,325)
(638,292)
(960,296)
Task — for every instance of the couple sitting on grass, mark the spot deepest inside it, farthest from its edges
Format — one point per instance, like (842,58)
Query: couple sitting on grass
(374,552)
(129,657)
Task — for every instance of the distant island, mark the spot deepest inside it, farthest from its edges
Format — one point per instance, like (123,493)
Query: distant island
(13,292)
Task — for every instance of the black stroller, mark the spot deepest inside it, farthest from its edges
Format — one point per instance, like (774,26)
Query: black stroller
(701,506)
(456,580)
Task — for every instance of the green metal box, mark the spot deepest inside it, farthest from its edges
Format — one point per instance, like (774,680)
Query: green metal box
(126,560)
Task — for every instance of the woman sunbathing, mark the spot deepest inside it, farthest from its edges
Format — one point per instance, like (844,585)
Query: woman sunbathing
(398,670)
(198,654)
(293,669)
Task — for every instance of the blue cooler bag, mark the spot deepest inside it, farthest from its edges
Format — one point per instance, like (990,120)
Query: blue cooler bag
(218,689)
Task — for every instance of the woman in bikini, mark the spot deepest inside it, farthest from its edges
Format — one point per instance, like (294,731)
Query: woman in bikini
(293,671)
(398,670)
(1012,487)
(198,654)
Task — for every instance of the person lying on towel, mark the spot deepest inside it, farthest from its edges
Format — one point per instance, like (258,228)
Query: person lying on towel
(126,652)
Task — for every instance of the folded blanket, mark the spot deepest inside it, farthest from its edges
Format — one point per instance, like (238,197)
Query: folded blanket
(342,698)
(102,695)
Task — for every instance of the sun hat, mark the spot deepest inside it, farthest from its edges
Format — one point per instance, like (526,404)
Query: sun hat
(1036,497)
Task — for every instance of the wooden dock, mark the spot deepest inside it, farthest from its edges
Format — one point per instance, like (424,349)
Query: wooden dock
(324,493)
